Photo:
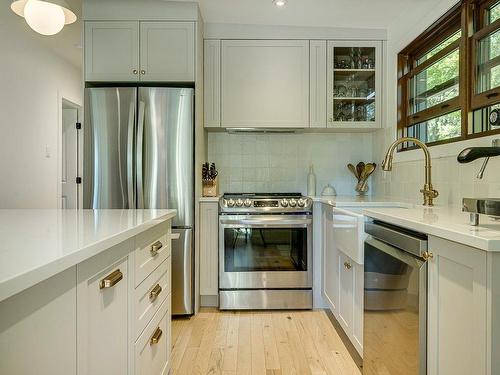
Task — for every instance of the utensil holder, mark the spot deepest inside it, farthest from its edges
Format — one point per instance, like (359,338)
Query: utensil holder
(362,188)
(210,188)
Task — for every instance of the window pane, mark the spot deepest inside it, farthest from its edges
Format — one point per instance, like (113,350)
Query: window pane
(438,129)
(493,13)
(481,120)
(435,84)
(440,46)
(488,66)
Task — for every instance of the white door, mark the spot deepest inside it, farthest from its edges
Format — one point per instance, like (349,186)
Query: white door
(167,51)
(112,51)
(457,309)
(346,285)
(330,261)
(265,83)
(69,158)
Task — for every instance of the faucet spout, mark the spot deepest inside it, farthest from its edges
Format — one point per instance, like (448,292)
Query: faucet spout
(428,191)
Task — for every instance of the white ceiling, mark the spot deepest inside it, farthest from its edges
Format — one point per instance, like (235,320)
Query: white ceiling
(373,14)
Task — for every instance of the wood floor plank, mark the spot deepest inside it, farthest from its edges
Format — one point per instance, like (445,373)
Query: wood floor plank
(263,343)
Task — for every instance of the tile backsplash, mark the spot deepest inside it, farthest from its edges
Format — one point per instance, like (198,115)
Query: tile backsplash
(280,162)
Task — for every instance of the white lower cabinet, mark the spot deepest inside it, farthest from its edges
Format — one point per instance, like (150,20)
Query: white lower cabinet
(102,295)
(330,285)
(458,309)
(209,253)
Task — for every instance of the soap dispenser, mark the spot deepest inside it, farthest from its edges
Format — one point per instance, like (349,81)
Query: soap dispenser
(311,182)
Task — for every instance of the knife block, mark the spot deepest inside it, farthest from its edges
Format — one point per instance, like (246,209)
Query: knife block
(210,188)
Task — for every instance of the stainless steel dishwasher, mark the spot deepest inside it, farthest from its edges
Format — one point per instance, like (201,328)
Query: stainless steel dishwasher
(395,301)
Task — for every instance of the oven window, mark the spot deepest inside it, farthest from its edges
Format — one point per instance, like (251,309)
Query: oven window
(265,249)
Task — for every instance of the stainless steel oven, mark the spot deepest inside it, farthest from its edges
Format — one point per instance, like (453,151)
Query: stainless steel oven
(265,259)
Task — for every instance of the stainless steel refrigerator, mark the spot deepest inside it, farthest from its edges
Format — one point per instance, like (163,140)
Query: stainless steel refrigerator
(139,153)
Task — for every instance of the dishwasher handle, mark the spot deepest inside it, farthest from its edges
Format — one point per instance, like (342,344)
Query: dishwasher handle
(402,239)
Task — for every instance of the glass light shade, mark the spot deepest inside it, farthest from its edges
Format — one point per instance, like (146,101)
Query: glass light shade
(43,17)
(46,17)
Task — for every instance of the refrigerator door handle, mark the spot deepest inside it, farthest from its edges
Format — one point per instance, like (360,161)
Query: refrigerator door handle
(130,157)
(140,140)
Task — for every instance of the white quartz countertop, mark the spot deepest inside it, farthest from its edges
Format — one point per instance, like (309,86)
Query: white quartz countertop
(447,222)
(359,201)
(38,244)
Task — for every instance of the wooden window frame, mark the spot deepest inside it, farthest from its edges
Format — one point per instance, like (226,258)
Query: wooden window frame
(466,16)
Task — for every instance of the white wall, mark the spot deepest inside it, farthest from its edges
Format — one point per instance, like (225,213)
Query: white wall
(451,179)
(32,81)
(280,162)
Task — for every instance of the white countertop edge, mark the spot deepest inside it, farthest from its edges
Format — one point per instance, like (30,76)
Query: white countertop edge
(18,283)
(491,245)
(356,201)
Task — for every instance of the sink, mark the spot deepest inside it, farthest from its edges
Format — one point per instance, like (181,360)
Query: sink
(484,206)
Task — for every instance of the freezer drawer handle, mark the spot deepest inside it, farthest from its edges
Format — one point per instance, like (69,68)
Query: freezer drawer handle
(111,280)
(156,247)
(155,292)
(156,336)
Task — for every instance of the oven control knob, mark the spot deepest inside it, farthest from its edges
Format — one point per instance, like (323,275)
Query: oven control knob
(230,203)
(301,202)
(239,202)
(248,202)
(292,202)
(284,203)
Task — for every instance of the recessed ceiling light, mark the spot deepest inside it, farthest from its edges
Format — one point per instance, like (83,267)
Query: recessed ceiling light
(279,3)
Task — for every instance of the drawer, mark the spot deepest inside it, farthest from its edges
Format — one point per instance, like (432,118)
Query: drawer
(349,233)
(151,249)
(153,358)
(150,294)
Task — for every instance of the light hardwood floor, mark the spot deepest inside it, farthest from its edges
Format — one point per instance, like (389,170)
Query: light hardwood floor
(268,343)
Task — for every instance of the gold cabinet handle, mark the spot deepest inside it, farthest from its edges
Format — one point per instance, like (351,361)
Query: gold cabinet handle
(135,71)
(111,280)
(427,255)
(156,247)
(155,292)
(143,72)
(156,336)
(347,265)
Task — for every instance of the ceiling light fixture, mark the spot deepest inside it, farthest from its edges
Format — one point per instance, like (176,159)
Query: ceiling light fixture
(45,17)
(279,3)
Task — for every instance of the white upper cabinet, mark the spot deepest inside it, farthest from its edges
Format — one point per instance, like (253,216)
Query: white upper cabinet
(265,83)
(354,89)
(161,51)
(167,51)
(317,90)
(211,88)
(112,51)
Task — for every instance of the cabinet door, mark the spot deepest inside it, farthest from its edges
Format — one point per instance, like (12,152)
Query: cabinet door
(317,90)
(209,245)
(102,310)
(358,299)
(167,51)
(111,51)
(265,83)
(457,309)
(346,293)
(354,89)
(330,261)
(211,87)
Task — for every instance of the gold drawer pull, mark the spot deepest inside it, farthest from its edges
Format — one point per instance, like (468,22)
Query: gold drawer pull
(156,336)
(155,292)
(111,280)
(347,265)
(156,247)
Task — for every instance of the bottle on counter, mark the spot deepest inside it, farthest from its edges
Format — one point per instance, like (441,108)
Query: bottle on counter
(311,182)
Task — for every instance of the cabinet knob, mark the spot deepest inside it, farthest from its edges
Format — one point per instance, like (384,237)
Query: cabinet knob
(156,247)
(427,255)
(347,265)
(111,280)
(156,336)
(155,292)
(143,72)
(135,71)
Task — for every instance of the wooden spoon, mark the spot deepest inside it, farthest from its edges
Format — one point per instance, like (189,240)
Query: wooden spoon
(353,170)
(359,168)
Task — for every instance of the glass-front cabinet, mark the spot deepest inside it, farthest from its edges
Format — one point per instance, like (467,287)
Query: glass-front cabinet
(354,85)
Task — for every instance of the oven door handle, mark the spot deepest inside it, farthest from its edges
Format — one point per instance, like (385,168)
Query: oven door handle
(280,223)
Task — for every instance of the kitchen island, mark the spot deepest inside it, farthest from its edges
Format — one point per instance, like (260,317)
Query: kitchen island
(84,291)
